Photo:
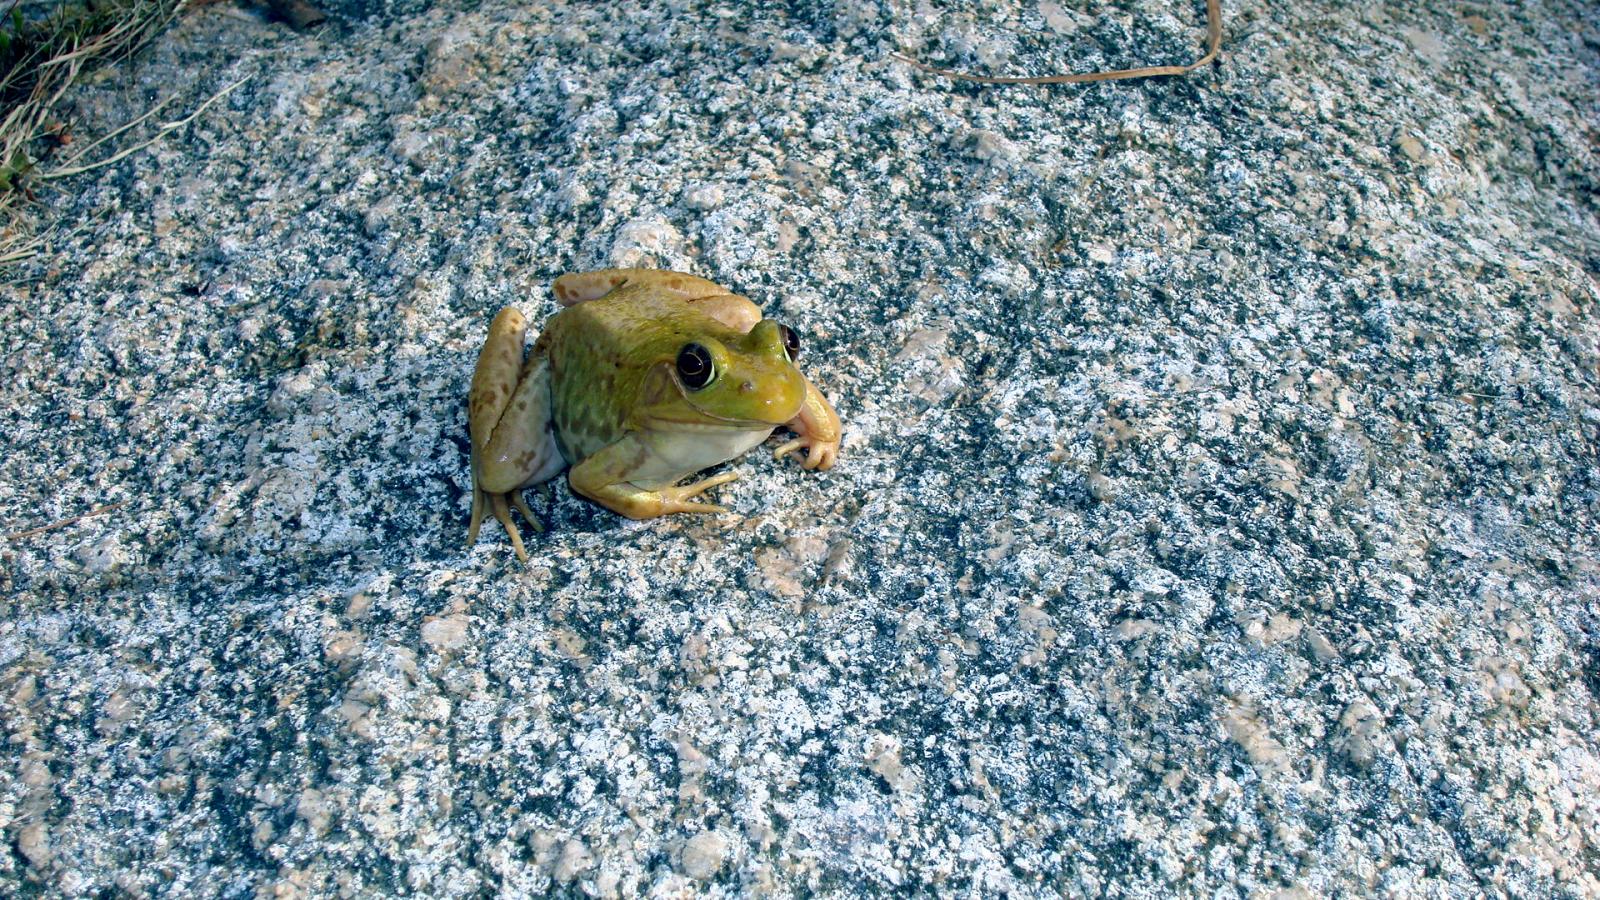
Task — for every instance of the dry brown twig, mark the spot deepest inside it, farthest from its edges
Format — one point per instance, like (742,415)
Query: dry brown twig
(62,523)
(1213,46)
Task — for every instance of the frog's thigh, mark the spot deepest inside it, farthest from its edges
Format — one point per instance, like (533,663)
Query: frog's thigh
(732,310)
(603,478)
(495,378)
(576,287)
(521,449)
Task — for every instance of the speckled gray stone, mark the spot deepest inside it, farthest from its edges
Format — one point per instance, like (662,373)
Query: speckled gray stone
(1217,511)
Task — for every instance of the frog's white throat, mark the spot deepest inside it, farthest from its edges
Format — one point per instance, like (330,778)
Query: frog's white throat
(679,449)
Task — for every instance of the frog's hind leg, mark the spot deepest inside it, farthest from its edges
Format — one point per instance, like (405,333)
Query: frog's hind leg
(495,378)
(508,415)
(577,287)
(521,448)
(733,310)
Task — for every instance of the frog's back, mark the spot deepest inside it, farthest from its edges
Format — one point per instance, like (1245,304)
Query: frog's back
(627,311)
(599,352)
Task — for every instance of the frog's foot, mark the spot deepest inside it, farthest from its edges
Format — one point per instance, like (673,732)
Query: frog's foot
(817,432)
(675,499)
(496,503)
(819,454)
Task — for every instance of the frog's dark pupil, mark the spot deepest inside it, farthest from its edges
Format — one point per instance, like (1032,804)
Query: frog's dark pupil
(791,341)
(694,367)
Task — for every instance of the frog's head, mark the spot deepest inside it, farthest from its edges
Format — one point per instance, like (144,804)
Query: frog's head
(731,378)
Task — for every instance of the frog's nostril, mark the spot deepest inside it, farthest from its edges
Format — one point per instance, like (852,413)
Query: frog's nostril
(747,387)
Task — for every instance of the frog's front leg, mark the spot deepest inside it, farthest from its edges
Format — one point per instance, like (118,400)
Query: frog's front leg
(604,478)
(818,428)
(508,416)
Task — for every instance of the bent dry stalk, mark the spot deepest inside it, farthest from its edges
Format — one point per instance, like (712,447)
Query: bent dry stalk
(1213,46)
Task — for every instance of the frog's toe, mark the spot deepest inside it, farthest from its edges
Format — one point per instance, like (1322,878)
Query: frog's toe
(503,513)
(521,504)
(700,487)
(819,455)
(477,516)
(677,499)
(680,506)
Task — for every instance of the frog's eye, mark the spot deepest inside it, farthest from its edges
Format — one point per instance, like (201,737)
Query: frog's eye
(695,368)
(791,342)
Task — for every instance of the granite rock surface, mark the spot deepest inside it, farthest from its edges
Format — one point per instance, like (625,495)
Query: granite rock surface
(1217,512)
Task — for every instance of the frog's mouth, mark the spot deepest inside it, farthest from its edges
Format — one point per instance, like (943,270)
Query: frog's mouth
(718,421)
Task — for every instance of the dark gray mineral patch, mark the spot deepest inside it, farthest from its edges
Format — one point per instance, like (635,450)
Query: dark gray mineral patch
(1217,512)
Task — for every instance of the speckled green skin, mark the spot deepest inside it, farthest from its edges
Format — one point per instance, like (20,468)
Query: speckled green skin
(612,364)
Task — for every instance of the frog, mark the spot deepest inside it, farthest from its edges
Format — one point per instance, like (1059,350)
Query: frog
(642,378)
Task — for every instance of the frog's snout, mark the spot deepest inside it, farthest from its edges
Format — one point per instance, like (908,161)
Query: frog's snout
(774,399)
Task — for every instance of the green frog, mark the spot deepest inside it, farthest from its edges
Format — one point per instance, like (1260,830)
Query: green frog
(643,378)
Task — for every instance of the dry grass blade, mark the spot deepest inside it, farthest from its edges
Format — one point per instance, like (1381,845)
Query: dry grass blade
(161,132)
(40,59)
(114,134)
(1213,47)
(19,249)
